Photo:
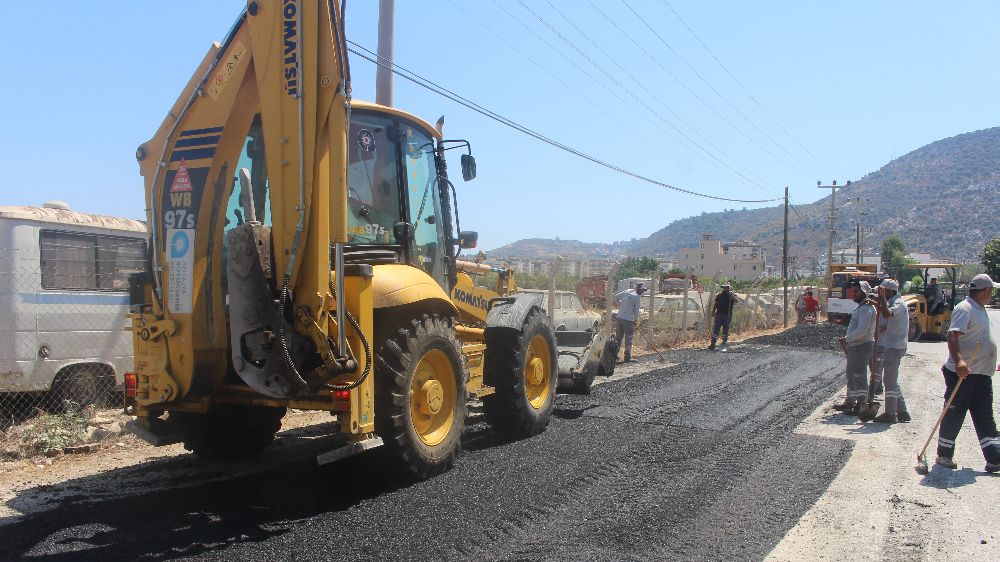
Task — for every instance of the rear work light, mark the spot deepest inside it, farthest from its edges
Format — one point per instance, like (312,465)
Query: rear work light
(130,384)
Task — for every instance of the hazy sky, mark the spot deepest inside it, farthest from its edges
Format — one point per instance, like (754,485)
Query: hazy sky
(846,86)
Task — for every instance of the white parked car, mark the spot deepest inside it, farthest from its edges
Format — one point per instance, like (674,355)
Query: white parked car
(570,314)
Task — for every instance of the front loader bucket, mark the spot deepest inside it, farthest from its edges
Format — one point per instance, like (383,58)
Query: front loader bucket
(580,357)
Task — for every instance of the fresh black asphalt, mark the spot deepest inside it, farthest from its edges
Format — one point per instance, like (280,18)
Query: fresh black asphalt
(697,461)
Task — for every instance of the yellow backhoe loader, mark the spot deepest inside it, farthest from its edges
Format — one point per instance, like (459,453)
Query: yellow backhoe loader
(930,310)
(303,255)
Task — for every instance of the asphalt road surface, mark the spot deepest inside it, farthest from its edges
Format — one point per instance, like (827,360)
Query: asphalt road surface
(696,460)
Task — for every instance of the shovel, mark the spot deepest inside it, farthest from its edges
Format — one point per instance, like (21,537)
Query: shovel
(922,467)
(867,411)
(640,330)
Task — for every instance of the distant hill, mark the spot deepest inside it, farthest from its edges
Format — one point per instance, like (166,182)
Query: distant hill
(941,199)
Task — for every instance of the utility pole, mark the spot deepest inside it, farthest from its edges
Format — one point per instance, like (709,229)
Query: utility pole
(383,71)
(833,217)
(784,263)
(859,230)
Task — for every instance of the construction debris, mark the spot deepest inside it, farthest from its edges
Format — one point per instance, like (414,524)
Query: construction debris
(815,336)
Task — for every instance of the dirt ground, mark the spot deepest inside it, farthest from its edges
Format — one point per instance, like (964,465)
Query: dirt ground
(878,507)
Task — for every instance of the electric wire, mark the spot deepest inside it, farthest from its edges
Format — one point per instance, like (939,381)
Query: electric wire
(608,75)
(653,95)
(717,93)
(692,92)
(747,92)
(578,93)
(603,85)
(429,85)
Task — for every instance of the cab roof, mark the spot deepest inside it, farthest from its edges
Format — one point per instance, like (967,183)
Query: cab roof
(933,265)
(371,106)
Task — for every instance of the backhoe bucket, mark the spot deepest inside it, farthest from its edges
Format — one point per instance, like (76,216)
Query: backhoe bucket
(581,355)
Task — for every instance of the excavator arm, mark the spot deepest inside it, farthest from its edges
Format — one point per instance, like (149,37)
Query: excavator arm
(246,194)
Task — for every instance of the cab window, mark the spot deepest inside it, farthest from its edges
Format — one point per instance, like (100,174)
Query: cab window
(372,178)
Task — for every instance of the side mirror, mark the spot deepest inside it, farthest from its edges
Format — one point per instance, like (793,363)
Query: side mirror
(468,167)
(403,232)
(468,239)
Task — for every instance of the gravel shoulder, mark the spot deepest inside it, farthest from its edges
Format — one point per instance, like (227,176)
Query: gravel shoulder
(878,507)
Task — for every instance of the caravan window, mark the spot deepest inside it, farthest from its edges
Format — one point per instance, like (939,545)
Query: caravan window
(77,261)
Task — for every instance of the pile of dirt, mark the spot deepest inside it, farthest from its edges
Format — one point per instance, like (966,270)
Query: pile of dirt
(823,335)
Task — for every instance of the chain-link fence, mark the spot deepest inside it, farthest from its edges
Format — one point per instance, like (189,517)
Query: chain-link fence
(65,342)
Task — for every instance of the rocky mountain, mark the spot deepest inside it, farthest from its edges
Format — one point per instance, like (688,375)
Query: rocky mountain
(941,199)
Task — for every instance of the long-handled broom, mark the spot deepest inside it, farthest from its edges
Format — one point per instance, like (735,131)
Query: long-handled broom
(922,467)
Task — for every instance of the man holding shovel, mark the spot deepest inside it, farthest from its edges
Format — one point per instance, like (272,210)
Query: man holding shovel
(629,302)
(859,344)
(972,372)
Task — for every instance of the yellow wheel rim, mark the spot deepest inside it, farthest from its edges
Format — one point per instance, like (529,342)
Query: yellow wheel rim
(538,371)
(432,397)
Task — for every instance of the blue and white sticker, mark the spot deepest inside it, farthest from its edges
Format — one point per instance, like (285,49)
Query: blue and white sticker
(180,265)
(366,140)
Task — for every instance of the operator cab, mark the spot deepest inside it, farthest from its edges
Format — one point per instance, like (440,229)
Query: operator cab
(399,205)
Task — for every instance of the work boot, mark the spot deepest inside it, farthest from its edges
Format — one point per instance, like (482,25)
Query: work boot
(947,462)
(903,417)
(711,346)
(885,417)
(992,468)
(843,407)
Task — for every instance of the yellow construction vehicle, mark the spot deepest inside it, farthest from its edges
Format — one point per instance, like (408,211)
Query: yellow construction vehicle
(303,255)
(839,304)
(930,311)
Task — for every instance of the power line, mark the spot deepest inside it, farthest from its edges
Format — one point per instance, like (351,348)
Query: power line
(717,93)
(624,102)
(704,155)
(634,96)
(689,90)
(653,95)
(402,72)
(746,91)
(577,92)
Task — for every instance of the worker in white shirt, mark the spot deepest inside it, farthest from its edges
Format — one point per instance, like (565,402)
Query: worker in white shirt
(628,302)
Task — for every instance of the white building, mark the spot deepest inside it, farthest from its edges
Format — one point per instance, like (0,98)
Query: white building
(742,259)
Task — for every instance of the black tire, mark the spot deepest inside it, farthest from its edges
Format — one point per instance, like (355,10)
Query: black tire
(424,441)
(79,386)
(229,431)
(520,408)
(915,332)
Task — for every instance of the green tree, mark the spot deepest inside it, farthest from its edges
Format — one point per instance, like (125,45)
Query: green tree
(636,267)
(890,245)
(991,258)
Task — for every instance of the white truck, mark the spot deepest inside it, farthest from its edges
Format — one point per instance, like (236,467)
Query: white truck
(64,301)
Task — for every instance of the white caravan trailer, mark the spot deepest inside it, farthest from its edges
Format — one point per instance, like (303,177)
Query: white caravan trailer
(64,280)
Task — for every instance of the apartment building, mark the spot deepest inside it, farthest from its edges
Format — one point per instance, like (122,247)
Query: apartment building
(741,260)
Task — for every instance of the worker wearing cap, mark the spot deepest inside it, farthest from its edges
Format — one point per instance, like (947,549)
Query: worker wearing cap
(722,312)
(628,302)
(859,344)
(970,334)
(893,329)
